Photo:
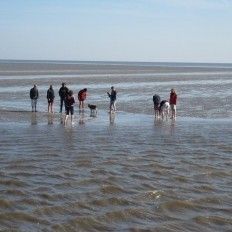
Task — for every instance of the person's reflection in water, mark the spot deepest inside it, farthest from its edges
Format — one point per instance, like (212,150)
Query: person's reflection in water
(50,119)
(173,125)
(61,119)
(112,119)
(33,119)
(165,127)
(82,117)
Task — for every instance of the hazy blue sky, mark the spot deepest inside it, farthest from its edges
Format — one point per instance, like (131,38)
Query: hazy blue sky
(118,30)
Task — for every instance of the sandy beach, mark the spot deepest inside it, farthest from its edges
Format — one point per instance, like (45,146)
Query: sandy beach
(117,172)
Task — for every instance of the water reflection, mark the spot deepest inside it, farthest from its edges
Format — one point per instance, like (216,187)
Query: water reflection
(173,126)
(34,119)
(82,117)
(62,118)
(93,113)
(50,119)
(165,126)
(112,119)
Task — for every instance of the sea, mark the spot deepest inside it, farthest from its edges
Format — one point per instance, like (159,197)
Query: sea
(125,171)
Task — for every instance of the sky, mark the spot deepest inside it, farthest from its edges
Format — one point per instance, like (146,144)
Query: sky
(117,30)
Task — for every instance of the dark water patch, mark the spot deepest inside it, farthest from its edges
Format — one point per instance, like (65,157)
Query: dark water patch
(30,202)
(204,188)
(182,179)
(214,222)
(177,225)
(126,215)
(82,224)
(112,189)
(14,192)
(179,209)
(20,217)
(52,211)
(13,182)
(112,201)
(84,163)
(139,177)
(5,204)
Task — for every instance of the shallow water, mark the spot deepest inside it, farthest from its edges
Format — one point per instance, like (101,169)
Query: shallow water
(120,172)
(203,92)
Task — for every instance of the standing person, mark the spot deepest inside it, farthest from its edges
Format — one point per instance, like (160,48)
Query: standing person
(172,101)
(113,96)
(69,106)
(63,91)
(156,101)
(34,95)
(50,97)
(81,97)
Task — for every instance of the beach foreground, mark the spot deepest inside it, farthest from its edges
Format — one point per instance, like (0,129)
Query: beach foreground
(114,172)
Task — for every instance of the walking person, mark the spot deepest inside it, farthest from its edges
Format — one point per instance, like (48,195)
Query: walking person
(34,95)
(50,98)
(172,101)
(113,96)
(81,97)
(69,106)
(63,92)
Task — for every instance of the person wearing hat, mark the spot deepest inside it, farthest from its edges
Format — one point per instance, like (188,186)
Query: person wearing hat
(172,101)
(63,92)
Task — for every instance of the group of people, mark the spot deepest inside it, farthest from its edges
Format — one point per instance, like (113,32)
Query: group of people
(67,99)
(161,106)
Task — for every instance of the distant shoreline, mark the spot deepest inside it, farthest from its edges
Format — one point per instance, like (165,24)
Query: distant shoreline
(52,67)
(166,63)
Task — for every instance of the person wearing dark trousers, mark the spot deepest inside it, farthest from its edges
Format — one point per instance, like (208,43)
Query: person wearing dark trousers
(63,92)
(69,106)
(34,95)
(112,95)
(50,98)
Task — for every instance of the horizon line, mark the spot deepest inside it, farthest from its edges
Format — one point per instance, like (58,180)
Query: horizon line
(112,61)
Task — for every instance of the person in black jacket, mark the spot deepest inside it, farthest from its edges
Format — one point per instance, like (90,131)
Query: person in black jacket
(113,96)
(50,97)
(156,101)
(63,92)
(34,95)
(69,106)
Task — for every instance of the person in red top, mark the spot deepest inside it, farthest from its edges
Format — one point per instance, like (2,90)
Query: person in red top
(172,101)
(81,97)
